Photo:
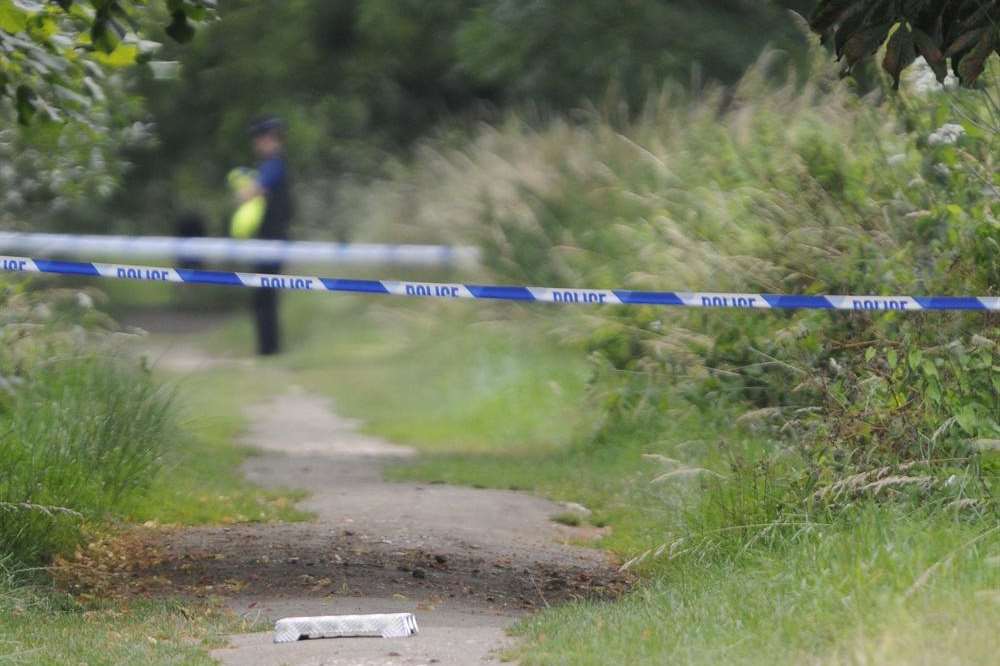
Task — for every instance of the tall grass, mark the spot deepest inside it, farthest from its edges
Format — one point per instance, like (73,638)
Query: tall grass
(781,188)
(82,431)
(798,486)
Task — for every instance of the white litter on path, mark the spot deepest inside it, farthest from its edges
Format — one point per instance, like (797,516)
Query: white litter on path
(389,625)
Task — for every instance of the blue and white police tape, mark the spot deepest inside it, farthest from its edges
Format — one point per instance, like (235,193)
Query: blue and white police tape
(228,249)
(501,292)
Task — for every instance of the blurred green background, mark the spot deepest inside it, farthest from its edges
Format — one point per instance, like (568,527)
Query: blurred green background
(360,82)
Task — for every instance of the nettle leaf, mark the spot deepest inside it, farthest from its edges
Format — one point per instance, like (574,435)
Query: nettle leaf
(865,43)
(967,420)
(965,42)
(846,30)
(831,13)
(931,52)
(971,66)
(964,31)
(900,53)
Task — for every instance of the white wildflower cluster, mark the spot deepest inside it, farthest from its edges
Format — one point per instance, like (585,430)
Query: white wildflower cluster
(920,78)
(942,170)
(946,135)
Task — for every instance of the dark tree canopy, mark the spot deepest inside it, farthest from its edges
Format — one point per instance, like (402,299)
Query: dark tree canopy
(964,32)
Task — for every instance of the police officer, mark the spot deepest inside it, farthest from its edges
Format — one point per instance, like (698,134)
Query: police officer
(271,183)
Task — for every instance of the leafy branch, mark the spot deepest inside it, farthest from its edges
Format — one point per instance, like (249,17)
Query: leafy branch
(53,54)
(964,33)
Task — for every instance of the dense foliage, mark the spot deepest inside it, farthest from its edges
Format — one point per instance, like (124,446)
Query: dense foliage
(358,80)
(966,32)
(52,54)
(67,113)
(766,198)
(48,170)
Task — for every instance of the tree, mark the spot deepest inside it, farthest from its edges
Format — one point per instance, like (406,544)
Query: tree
(53,53)
(964,32)
(560,53)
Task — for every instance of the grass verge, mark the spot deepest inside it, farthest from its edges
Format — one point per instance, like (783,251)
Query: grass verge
(443,377)
(39,626)
(90,439)
(878,586)
(201,482)
(702,498)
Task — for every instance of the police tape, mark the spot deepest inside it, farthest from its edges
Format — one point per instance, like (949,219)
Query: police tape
(228,249)
(501,292)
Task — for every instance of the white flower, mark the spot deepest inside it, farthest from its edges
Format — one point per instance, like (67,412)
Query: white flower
(896,160)
(942,170)
(946,135)
(923,81)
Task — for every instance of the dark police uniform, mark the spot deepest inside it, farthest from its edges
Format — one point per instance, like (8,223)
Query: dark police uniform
(273,179)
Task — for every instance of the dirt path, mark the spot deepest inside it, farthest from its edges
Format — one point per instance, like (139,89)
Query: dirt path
(467,562)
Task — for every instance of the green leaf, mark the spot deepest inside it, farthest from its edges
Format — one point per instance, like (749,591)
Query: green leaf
(972,65)
(892,358)
(864,43)
(103,37)
(122,56)
(831,12)
(12,19)
(42,28)
(931,52)
(967,420)
(900,53)
(870,354)
(964,42)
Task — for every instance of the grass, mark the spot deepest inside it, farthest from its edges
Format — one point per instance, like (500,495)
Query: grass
(837,594)
(82,436)
(39,626)
(741,563)
(568,518)
(201,482)
(879,582)
(444,377)
(91,439)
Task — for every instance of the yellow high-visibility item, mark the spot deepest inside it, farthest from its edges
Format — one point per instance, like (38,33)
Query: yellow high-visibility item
(249,216)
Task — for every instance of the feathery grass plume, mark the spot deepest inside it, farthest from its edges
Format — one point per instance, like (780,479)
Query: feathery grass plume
(787,183)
